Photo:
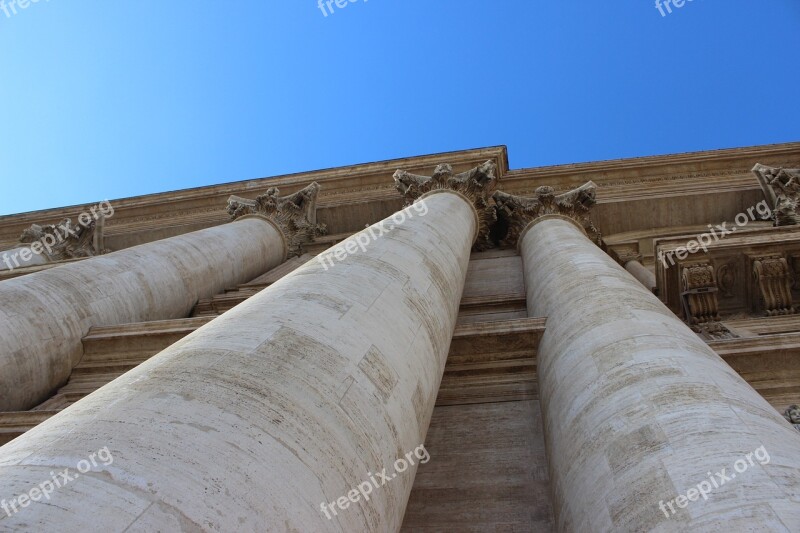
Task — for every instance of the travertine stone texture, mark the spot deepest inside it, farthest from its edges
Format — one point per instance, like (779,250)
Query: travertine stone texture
(637,409)
(15,260)
(44,315)
(486,472)
(288,400)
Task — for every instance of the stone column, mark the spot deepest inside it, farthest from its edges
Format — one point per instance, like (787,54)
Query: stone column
(45,315)
(21,257)
(632,262)
(641,273)
(638,411)
(313,389)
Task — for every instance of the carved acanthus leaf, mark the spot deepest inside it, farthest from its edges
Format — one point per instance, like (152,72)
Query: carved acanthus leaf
(775,282)
(476,185)
(63,240)
(519,211)
(295,214)
(699,293)
(782,187)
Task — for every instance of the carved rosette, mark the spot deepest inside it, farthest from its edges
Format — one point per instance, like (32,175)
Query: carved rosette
(63,240)
(782,187)
(518,212)
(775,282)
(476,185)
(295,214)
(699,293)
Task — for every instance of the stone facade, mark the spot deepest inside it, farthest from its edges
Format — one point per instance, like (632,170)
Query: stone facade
(429,344)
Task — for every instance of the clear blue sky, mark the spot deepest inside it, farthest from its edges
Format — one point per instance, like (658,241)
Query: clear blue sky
(108,99)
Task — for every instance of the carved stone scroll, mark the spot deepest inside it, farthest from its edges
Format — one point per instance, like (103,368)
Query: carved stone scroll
(699,293)
(774,279)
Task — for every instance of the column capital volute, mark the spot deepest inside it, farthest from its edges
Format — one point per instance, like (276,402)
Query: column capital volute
(521,213)
(474,186)
(294,215)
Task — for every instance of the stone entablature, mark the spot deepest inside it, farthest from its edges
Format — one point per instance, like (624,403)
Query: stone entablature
(753,272)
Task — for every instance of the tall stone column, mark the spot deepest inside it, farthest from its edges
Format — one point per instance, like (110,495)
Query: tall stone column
(273,416)
(638,411)
(45,315)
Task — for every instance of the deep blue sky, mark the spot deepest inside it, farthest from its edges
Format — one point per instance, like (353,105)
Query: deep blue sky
(107,99)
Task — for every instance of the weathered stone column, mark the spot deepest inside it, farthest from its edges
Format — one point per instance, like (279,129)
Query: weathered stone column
(292,400)
(44,315)
(638,411)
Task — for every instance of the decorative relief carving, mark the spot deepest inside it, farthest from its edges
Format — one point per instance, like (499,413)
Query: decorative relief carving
(794,263)
(713,331)
(775,282)
(726,279)
(63,240)
(295,214)
(782,187)
(519,212)
(792,415)
(699,294)
(476,184)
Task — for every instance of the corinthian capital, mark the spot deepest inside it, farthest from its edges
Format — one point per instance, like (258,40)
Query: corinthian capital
(518,212)
(781,186)
(295,214)
(474,185)
(63,240)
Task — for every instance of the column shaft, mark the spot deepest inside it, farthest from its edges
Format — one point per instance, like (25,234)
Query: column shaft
(45,315)
(641,273)
(13,258)
(638,410)
(291,399)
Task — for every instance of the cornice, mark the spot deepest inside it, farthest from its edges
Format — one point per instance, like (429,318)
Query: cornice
(363,183)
